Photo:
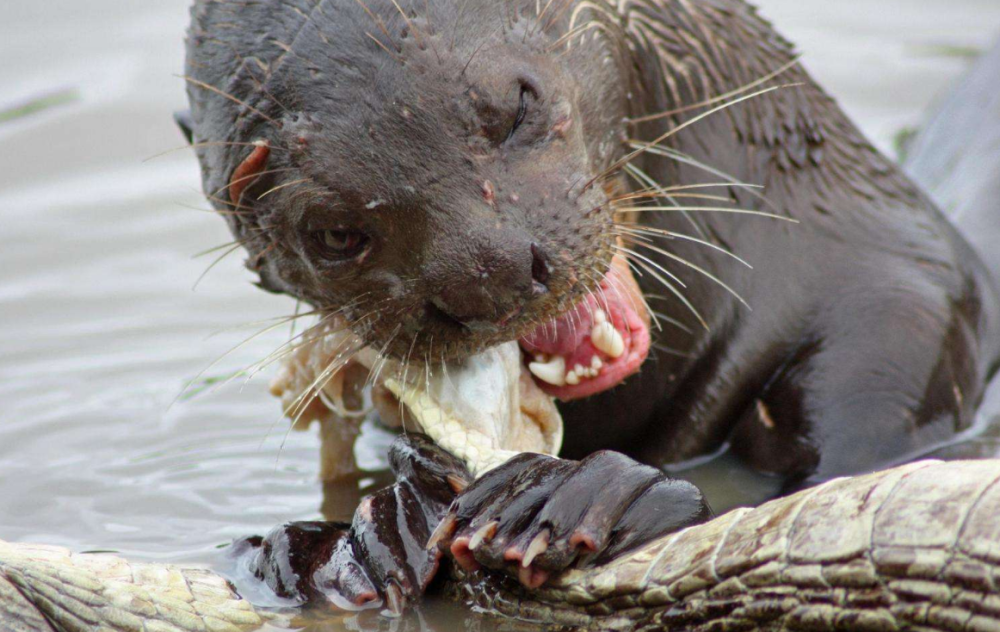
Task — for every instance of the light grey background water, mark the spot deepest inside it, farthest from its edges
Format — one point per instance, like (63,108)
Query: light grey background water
(99,326)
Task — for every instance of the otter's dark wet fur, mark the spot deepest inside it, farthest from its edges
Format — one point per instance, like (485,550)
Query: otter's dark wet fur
(874,326)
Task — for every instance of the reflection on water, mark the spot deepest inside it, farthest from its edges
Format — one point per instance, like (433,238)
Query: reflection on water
(437,616)
(100,328)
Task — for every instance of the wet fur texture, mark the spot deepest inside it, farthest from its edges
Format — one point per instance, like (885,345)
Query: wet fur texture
(873,326)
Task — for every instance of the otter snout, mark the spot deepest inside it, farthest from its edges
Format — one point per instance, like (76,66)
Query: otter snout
(489,287)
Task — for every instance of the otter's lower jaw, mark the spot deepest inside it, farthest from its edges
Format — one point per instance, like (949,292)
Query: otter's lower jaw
(595,345)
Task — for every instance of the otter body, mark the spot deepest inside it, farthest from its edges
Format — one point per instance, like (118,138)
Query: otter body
(450,174)
(873,326)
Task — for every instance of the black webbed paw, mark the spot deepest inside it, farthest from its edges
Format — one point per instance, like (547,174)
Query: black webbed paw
(537,515)
(309,562)
(391,527)
(533,516)
(379,559)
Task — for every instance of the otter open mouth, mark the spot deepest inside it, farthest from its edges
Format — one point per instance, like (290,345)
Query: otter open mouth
(594,346)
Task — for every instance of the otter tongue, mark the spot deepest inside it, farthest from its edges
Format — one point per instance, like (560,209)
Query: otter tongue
(594,346)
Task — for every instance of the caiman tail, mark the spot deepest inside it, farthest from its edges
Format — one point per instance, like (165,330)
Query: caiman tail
(50,589)
(916,547)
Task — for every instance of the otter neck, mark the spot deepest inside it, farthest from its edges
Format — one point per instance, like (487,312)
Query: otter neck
(688,53)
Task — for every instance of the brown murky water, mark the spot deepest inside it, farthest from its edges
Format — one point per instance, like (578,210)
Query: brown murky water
(100,328)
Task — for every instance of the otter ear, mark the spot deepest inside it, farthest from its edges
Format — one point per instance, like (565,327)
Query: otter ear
(185,121)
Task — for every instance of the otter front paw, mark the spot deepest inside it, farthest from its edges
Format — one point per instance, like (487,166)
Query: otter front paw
(380,558)
(305,562)
(537,515)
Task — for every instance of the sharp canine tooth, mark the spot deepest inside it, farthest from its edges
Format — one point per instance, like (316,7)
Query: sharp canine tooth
(572,378)
(607,339)
(552,372)
(618,346)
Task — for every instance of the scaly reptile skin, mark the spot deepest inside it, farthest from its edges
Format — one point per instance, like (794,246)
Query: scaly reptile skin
(49,589)
(914,548)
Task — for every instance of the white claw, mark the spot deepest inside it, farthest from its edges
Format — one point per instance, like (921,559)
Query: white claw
(607,339)
(552,372)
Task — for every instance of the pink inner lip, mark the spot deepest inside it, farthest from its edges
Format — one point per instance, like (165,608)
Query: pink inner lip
(570,338)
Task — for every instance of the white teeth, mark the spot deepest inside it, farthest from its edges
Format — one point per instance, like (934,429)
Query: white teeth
(552,372)
(581,373)
(606,338)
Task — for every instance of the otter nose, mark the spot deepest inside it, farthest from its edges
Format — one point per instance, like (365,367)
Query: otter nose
(496,287)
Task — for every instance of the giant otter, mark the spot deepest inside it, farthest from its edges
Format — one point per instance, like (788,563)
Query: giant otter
(582,176)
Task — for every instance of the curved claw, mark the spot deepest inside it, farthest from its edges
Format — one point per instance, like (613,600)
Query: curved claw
(444,530)
(484,533)
(458,483)
(394,599)
(538,546)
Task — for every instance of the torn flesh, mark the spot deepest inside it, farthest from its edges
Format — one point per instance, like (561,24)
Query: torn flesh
(483,410)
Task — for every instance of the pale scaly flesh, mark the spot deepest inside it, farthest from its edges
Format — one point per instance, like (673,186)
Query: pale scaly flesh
(50,589)
(483,410)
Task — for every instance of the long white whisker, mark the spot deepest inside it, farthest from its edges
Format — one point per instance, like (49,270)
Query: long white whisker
(696,268)
(667,284)
(669,233)
(688,123)
(708,209)
(644,178)
(721,97)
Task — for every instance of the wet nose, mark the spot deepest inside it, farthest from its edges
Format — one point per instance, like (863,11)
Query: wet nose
(495,289)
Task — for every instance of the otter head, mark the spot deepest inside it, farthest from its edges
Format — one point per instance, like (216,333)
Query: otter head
(433,176)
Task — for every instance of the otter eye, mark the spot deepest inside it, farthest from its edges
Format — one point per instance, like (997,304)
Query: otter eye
(341,244)
(522,111)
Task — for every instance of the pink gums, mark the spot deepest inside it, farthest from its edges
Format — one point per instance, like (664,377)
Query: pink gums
(569,338)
